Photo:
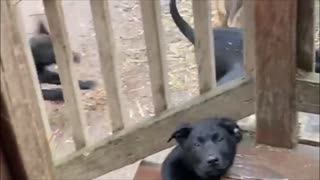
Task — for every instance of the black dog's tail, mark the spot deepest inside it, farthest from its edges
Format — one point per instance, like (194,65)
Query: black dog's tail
(42,28)
(184,27)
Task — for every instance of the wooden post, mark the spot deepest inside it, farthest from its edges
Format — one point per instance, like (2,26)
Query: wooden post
(305,35)
(204,45)
(153,31)
(22,132)
(59,37)
(24,60)
(5,171)
(109,60)
(275,39)
(248,35)
(11,163)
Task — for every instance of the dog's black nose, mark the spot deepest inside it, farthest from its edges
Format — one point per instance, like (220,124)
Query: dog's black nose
(213,160)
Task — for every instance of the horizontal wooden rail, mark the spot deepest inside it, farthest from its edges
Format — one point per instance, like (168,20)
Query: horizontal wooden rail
(109,59)
(234,100)
(204,45)
(153,31)
(308,97)
(59,37)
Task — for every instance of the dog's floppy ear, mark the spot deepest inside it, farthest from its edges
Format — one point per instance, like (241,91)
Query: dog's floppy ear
(232,127)
(42,28)
(181,133)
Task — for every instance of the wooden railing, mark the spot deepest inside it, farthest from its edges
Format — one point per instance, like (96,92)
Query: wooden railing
(129,144)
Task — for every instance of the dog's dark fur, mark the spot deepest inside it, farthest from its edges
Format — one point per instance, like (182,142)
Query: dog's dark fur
(205,150)
(228,44)
(43,55)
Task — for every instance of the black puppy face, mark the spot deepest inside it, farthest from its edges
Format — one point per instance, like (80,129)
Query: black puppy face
(209,147)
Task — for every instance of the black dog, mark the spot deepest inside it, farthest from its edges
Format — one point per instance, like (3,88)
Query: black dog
(43,55)
(228,44)
(205,150)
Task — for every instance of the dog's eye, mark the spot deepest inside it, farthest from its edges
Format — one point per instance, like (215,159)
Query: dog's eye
(200,139)
(220,139)
(214,137)
(196,144)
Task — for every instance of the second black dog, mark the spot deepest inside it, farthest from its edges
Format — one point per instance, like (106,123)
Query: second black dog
(228,44)
(43,55)
(205,150)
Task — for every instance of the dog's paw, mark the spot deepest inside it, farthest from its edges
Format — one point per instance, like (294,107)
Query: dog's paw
(85,85)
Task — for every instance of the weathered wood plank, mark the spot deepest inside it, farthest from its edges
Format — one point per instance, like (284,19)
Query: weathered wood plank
(5,173)
(308,96)
(11,163)
(63,53)
(22,112)
(305,35)
(204,46)
(308,133)
(249,42)
(275,30)
(151,136)
(153,33)
(109,60)
(26,64)
(15,2)
(138,142)
(257,162)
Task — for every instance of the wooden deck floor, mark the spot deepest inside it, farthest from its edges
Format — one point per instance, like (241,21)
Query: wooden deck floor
(259,163)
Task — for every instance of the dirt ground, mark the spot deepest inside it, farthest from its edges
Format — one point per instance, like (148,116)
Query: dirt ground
(133,67)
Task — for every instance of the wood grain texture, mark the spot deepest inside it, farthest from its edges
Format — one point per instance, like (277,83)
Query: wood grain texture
(59,37)
(305,35)
(234,99)
(204,45)
(153,34)
(308,93)
(257,163)
(26,65)
(11,163)
(24,115)
(249,41)
(109,59)
(275,39)
(150,136)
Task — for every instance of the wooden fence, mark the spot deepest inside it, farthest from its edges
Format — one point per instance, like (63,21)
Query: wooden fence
(274,80)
